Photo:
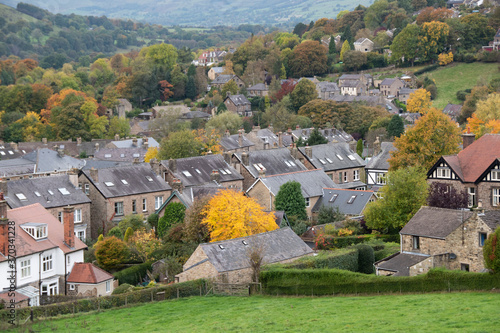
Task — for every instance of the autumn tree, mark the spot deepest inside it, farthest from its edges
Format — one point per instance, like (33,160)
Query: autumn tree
(144,244)
(406,44)
(111,253)
(491,251)
(230,87)
(151,154)
(345,48)
(230,214)
(403,195)
(179,145)
(291,200)
(354,60)
(447,196)
(165,90)
(303,92)
(194,229)
(419,101)
(432,136)
(432,39)
(486,119)
(162,55)
(309,58)
(470,104)
(118,126)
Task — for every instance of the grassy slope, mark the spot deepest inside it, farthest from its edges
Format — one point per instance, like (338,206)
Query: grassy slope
(463,312)
(12,15)
(461,76)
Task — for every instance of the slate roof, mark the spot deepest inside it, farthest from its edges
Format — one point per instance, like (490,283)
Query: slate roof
(387,82)
(400,263)
(10,151)
(48,160)
(351,83)
(129,143)
(135,176)
(264,135)
(223,78)
(218,69)
(17,166)
(36,190)
(98,164)
(406,91)
(435,222)
(121,154)
(259,87)
(361,40)
(197,170)
(331,134)
(325,86)
(239,100)
(380,161)
(190,194)
(231,142)
(333,156)
(470,163)
(453,110)
(195,114)
(491,218)
(311,182)
(350,77)
(343,199)
(88,273)
(278,245)
(25,244)
(370,100)
(71,148)
(275,161)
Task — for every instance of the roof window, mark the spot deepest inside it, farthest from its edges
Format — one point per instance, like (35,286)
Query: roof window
(185,172)
(21,196)
(107,155)
(109,184)
(151,179)
(328,160)
(63,191)
(124,182)
(351,199)
(50,192)
(38,194)
(340,157)
(352,158)
(333,198)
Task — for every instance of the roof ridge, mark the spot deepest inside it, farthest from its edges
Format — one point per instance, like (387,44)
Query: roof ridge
(346,189)
(289,173)
(254,235)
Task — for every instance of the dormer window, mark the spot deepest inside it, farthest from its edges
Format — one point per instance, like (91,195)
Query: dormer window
(36,230)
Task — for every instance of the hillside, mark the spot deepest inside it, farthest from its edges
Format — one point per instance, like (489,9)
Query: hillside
(464,312)
(202,13)
(11,15)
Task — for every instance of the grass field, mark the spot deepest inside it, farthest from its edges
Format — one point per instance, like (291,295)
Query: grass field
(451,79)
(453,312)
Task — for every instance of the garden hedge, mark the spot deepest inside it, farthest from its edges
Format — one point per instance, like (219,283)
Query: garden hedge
(133,275)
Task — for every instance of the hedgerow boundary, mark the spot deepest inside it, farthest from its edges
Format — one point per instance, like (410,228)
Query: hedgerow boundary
(178,290)
(331,282)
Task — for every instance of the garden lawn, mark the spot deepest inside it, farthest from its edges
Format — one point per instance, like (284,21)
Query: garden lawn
(450,312)
(461,76)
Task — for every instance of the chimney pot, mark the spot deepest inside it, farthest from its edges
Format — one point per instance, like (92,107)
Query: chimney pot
(244,158)
(134,142)
(227,157)
(215,176)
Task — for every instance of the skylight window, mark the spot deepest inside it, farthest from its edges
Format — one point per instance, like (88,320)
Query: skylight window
(261,166)
(21,196)
(322,161)
(136,155)
(107,155)
(185,172)
(124,182)
(63,191)
(340,157)
(351,199)
(244,242)
(256,166)
(198,171)
(38,194)
(50,192)
(221,247)
(122,155)
(352,158)
(151,179)
(222,171)
(3,153)
(109,184)
(228,171)
(328,160)
(288,164)
(333,198)
(292,163)
(24,151)
(11,152)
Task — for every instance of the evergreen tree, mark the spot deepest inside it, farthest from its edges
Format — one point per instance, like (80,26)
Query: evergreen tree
(331,46)
(396,126)
(316,138)
(191,88)
(291,200)
(359,148)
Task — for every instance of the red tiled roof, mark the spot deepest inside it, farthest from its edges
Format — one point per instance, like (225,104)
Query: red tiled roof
(471,162)
(25,244)
(88,273)
(18,296)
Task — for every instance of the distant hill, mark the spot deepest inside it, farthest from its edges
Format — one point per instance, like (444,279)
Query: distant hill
(203,13)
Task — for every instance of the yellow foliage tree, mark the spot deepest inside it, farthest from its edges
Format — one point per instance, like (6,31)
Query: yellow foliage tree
(486,119)
(145,244)
(419,101)
(445,59)
(230,214)
(150,154)
(433,135)
(210,140)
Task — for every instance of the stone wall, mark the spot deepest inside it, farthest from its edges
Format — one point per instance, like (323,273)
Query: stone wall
(262,195)
(422,267)
(86,217)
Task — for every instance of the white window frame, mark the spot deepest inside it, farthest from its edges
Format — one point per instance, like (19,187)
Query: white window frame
(308,202)
(108,286)
(144,205)
(495,175)
(495,196)
(443,173)
(471,192)
(81,235)
(47,263)
(119,208)
(78,215)
(60,217)
(356,174)
(25,268)
(158,202)
(381,178)
(87,189)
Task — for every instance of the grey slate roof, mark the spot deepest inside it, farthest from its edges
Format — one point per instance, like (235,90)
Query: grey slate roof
(218,69)
(331,134)
(351,185)
(387,82)
(273,161)
(278,245)
(223,79)
(120,154)
(333,156)
(98,164)
(135,176)
(370,100)
(379,162)
(48,160)
(190,194)
(343,200)
(258,86)
(231,142)
(406,91)
(266,136)
(435,222)
(71,148)
(239,100)
(453,110)
(42,186)
(400,263)
(197,170)
(351,83)
(311,182)
(195,114)
(129,143)
(491,218)
(350,77)
(17,166)
(325,86)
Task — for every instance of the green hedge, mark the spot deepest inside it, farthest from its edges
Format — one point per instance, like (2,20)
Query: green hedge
(281,281)
(426,69)
(341,259)
(133,275)
(185,289)
(327,242)
(366,258)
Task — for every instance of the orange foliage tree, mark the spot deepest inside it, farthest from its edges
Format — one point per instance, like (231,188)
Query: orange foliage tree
(230,214)
(486,119)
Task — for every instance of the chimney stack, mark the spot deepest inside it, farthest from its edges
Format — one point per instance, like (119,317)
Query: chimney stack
(266,145)
(227,157)
(227,133)
(69,226)
(352,145)
(117,137)
(4,226)
(172,165)
(297,127)
(155,165)
(136,160)
(4,189)
(468,139)
(96,146)
(60,152)
(262,173)
(78,141)
(215,176)
(14,146)
(244,158)
(240,139)
(177,185)
(280,140)
(73,177)
(134,142)
(255,129)
(309,151)
(94,174)
(44,141)
(376,146)
(271,128)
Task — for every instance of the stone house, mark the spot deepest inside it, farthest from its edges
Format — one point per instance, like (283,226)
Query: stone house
(222,79)
(404,94)
(259,90)
(312,182)
(363,45)
(475,169)
(86,279)
(46,250)
(440,237)
(119,191)
(366,79)
(453,110)
(233,143)
(353,88)
(264,138)
(261,163)
(390,87)
(351,203)
(238,104)
(201,170)
(377,167)
(188,196)
(338,161)
(327,89)
(53,193)
(228,261)
(214,72)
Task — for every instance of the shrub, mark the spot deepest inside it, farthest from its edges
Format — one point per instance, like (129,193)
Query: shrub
(366,258)
(129,233)
(153,221)
(111,253)
(133,275)
(115,231)
(341,259)
(174,213)
(123,288)
(491,251)
(133,221)
(427,69)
